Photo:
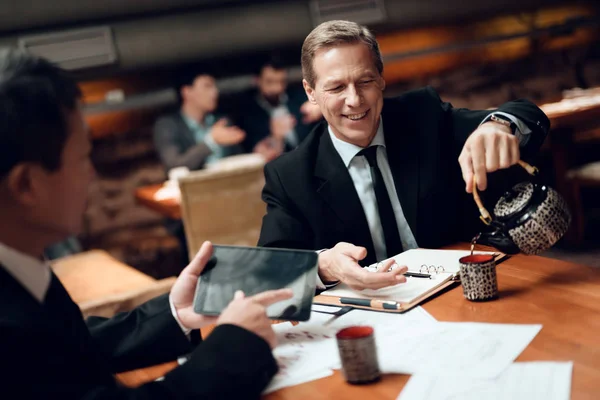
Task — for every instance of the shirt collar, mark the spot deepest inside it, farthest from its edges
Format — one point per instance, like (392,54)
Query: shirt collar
(209,120)
(348,150)
(33,274)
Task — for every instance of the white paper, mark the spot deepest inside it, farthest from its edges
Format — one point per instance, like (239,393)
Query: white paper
(304,352)
(448,259)
(520,381)
(448,348)
(414,287)
(325,309)
(404,292)
(319,319)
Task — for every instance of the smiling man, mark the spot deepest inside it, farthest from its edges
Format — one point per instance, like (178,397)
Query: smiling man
(380,176)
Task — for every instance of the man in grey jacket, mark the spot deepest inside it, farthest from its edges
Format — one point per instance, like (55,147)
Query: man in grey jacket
(194,136)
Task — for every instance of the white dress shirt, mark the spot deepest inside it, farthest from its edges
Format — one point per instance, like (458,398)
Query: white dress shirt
(360,172)
(35,275)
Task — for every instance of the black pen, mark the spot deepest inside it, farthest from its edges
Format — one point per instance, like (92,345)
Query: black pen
(379,304)
(417,275)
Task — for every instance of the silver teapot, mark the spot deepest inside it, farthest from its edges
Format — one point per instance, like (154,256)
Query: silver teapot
(529,218)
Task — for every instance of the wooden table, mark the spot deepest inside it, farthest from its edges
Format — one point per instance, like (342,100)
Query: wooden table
(167,207)
(95,274)
(563,297)
(572,120)
(102,285)
(573,111)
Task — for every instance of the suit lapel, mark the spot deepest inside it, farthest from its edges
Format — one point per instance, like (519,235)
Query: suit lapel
(337,190)
(402,146)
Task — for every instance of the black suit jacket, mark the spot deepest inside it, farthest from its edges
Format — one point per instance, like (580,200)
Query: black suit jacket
(47,351)
(312,202)
(177,146)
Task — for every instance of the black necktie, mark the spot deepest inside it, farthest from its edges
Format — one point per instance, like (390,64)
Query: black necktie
(393,245)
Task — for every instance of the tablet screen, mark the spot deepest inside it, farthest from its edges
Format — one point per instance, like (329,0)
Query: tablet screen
(255,270)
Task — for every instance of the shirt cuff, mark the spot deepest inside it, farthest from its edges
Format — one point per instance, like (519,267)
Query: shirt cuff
(185,330)
(212,145)
(320,284)
(522,132)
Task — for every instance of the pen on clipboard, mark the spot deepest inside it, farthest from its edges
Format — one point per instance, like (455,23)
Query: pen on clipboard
(417,275)
(408,274)
(379,304)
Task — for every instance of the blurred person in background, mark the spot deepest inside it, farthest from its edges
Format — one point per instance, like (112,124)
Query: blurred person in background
(276,118)
(48,350)
(194,135)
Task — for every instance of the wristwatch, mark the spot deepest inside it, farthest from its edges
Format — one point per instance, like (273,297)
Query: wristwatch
(504,121)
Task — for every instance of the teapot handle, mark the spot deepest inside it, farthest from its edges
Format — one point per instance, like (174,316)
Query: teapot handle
(485,215)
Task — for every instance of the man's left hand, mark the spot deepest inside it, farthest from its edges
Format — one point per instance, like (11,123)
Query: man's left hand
(490,147)
(182,293)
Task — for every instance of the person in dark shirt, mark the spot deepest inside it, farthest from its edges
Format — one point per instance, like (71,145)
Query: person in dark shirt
(275,117)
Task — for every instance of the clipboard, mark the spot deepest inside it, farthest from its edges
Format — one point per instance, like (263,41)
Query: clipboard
(416,290)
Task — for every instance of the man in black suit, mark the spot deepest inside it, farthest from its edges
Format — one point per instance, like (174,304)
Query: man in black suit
(194,135)
(274,116)
(47,349)
(383,176)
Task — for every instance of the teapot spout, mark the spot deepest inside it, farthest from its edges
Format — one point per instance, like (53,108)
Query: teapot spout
(498,240)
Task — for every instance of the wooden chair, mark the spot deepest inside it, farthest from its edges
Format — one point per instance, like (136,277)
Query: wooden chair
(571,176)
(223,204)
(579,177)
(102,285)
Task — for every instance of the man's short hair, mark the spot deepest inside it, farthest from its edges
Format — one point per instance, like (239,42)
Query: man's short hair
(35,99)
(187,77)
(332,33)
(274,60)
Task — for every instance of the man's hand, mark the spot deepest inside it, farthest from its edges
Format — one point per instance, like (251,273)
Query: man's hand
(182,293)
(250,313)
(224,135)
(341,264)
(490,147)
(281,125)
(270,148)
(310,112)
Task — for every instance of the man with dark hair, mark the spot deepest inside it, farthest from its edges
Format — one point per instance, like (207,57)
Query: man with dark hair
(194,136)
(381,176)
(47,349)
(275,118)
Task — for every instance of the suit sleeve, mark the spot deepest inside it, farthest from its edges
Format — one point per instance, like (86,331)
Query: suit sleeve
(282,225)
(463,122)
(459,123)
(230,363)
(166,134)
(145,336)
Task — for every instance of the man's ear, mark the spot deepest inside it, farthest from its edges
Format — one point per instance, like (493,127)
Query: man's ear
(381,83)
(183,92)
(20,184)
(310,92)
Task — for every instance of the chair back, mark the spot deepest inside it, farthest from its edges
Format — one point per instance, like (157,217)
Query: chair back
(223,205)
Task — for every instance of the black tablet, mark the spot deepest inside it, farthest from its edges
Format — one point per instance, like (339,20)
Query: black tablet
(255,270)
